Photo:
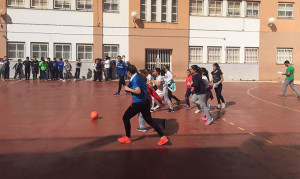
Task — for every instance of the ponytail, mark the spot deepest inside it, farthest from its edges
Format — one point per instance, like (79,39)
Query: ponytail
(205,72)
(197,69)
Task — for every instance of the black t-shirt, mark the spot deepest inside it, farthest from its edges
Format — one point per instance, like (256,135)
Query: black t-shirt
(35,64)
(27,64)
(216,76)
(78,64)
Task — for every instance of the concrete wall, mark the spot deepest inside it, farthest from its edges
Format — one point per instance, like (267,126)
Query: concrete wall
(50,26)
(3,34)
(238,72)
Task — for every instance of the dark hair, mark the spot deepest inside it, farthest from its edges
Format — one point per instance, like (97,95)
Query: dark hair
(119,56)
(132,69)
(60,59)
(48,58)
(157,70)
(287,62)
(143,74)
(217,66)
(197,69)
(149,71)
(205,72)
(42,59)
(34,56)
(167,67)
(27,58)
(188,70)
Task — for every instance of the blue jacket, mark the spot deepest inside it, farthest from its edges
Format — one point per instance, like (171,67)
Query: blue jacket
(138,82)
(61,66)
(121,68)
(55,64)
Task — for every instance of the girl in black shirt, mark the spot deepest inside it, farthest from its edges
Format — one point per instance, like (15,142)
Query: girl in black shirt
(217,79)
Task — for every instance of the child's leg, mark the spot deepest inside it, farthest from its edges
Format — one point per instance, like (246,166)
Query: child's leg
(187,97)
(141,121)
(166,97)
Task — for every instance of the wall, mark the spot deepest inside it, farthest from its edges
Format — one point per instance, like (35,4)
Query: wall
(3,34)
(161,36)
(284,34)
(50,26)
(115,28)
(97,28)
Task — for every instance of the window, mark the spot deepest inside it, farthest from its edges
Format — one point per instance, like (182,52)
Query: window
(164,11)
(143,9)
(62,51)
(285,10)
(174,10)
(39,3)
(15,3)
(252,9)
(62,4)
(251,55)
(153,10)
(111,51)
(196,7)
(157,58)
(84,4)
(16,50)
(85,52)
(111,5)
(284,54)
(233,55)
(196,54)
(39,50)
(214,54)
(234,8)
(215,8)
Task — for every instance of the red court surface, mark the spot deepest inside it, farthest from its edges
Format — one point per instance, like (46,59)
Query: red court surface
(46,132)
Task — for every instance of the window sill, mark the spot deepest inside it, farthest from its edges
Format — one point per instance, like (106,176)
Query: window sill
(113,12)
(285,18)
(155,22)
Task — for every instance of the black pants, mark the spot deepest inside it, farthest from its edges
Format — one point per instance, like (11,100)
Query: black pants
(54,74)
(134,109)
(121,82)
(98,75)
(77,73)
(6,73)
(27,73)
(170,95)
(18,72)
(35,71)
(219,94)
(61,74)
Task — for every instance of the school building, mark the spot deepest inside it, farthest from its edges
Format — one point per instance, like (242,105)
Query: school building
(250,39)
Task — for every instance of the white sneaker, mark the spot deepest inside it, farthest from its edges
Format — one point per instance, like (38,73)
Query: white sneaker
(197,111)
(219,106)
(156,107)
(223,105)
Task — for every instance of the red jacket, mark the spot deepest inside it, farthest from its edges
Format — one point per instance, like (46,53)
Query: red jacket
(151,92)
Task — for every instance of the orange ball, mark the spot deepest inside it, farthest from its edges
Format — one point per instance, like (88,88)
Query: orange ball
(94,115)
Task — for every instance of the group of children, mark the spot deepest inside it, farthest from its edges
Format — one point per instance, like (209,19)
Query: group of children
(48,69)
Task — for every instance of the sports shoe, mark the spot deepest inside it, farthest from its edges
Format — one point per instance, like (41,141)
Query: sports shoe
(197,111)
(141,129)
(124,140)
(171,111)
(204,118)
(282,96)
(223,105)
(188,107)
(156,107)
(219,106)
(298,97)
(163,141)
(209,121)
(208,106)
(117,94)
(152,111)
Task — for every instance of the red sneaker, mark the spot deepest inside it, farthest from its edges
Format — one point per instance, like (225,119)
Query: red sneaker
(163,141)
(124,140)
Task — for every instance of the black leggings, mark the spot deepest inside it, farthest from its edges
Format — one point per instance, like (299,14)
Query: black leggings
(171,96)
(121,82)
(134,109)
(218,91)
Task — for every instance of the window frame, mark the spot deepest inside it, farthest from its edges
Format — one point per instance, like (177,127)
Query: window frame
(16,2)
(16,50)
(77,51)
(191,8)
(234,55)
(280,62)
(39,7)
(208,54)
(39,43)
(193,58)
(143,12)
(63,44)
(63,4)
(154,12)
(164,13)
(176,13)
(285,17)
(215,7)
(256,56)
(252,9)
(110,52)
(84,9)
(234,8)
(111,10)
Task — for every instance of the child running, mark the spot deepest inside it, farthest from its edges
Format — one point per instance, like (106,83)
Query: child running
(188,89)
(171,84)
(162,88)
(205,79)
(217,79)
(138,88)
(151,94)
(19,69)
(121,72)
(199,94)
